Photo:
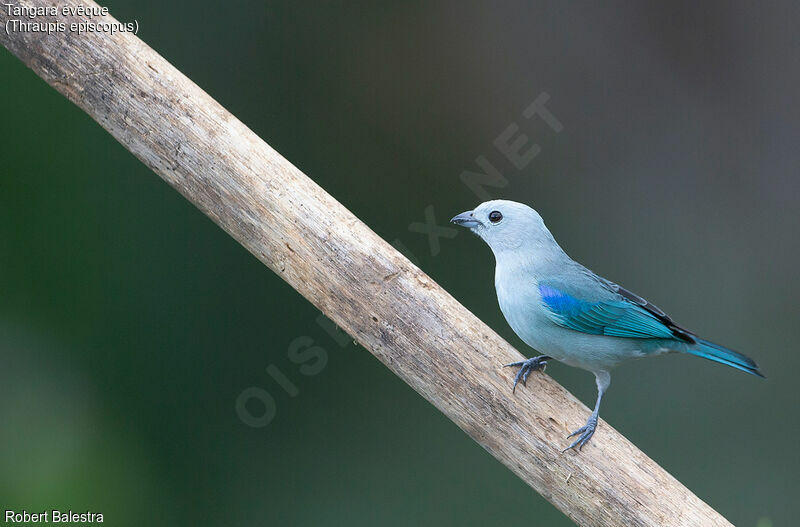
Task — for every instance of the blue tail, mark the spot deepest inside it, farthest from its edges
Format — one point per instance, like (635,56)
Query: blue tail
(709,350)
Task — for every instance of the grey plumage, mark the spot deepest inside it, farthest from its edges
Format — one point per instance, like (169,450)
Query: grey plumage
(568,313)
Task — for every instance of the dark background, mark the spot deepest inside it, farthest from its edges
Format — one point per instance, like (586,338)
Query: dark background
(130,323)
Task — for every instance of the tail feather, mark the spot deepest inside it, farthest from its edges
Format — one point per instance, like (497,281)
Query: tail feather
(709,350)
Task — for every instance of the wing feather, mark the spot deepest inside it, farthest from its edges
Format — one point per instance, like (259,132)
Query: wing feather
(615,317)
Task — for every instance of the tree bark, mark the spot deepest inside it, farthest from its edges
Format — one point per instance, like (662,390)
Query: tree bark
(329,256)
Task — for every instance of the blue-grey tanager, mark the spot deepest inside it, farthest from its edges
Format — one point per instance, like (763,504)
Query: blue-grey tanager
(567,312)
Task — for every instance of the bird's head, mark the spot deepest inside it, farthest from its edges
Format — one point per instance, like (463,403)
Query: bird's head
(507,226)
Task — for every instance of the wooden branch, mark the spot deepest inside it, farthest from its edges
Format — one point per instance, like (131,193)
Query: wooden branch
(357,279)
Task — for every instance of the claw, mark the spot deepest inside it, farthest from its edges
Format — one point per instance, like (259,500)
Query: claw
(525,369)
(586,432)
(578,431)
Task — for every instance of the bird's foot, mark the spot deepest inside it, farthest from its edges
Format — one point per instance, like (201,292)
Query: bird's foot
(526,367)
(584,433)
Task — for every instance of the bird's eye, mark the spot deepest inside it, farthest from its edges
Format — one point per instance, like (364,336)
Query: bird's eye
(495,216)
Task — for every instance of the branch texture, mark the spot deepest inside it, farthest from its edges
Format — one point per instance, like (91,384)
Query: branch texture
(358,280)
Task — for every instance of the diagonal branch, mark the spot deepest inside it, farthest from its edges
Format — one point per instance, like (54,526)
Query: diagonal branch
(357,279)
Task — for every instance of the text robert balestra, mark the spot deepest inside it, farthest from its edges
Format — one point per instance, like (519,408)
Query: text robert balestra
(52,516)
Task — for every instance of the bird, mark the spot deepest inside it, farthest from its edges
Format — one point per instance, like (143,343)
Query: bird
(568,313)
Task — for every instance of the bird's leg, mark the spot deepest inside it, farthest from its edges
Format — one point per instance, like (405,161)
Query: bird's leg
(586,432)
(526,367)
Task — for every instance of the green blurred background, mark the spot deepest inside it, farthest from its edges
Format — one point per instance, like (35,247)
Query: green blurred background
(130,323)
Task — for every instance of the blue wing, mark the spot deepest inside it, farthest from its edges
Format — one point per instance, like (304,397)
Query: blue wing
(615,316)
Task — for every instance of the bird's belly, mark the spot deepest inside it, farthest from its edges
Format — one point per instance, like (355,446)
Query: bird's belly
(531,323)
